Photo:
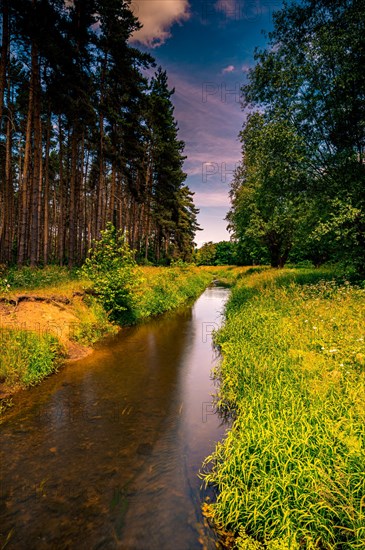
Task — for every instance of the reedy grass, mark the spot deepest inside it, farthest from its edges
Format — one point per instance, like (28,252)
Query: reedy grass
(26,357)
(93,324)
(163,289)
(290,473)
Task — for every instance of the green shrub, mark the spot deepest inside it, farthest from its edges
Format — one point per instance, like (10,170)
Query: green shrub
(114,274)
(129,293)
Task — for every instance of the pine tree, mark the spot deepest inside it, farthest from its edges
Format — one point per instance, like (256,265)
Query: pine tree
(85,138)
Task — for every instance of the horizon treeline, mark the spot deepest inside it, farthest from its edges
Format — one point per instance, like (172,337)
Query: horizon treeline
(86,138)
(299,193)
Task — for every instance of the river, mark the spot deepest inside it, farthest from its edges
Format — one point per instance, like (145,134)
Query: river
(106,453)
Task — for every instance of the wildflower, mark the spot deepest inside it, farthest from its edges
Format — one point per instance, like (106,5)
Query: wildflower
(333,350)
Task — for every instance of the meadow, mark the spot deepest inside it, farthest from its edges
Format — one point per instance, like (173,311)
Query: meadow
(290,472)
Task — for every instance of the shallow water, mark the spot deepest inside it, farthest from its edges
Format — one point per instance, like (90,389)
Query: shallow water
(106,453)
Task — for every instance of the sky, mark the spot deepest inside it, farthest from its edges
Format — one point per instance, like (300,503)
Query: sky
(207,48)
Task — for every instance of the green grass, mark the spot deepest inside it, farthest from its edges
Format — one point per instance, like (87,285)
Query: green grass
(26,357)
(93,324)
(34,278)
(290,473)
(142,292)
(163,289)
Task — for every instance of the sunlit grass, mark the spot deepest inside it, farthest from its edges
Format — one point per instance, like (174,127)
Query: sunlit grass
(26,357)
(291,471)
(164,289)
(50,280)
(93,322)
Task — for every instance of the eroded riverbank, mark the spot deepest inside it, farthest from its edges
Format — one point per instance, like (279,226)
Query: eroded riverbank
(42,325)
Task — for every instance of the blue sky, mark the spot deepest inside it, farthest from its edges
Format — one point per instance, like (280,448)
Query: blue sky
(207,47)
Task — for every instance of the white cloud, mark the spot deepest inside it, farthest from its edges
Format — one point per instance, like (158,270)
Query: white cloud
(228,69)
(157,18)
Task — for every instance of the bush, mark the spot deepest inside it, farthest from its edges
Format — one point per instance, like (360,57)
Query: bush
(114,274)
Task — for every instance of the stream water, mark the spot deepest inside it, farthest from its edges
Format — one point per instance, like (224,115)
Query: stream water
(106,453)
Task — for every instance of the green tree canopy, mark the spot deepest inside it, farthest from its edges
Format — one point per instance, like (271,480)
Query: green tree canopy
(308,86)
(268,188)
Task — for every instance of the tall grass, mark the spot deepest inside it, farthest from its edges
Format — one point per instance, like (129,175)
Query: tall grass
(26,357)
(31,278)
(163,289)
(290,473)
(93,322)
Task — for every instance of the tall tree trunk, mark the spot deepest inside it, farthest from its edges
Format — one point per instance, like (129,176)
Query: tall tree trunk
(37,163)
(4,183)
(140,226)
(148,208)
(61,215)
(101,181)
(80,203)
(46,193)
(73,202)
(119,199)
(9,194)
(25,179)
(87,215)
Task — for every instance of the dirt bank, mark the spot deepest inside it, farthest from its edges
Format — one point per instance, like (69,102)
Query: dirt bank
(41,314)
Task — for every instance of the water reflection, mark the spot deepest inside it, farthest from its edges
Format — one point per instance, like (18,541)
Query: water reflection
(106,453)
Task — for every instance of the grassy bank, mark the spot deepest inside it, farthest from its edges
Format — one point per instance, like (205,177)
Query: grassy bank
(26,357)
(290,473)
(164,289)
(30,355)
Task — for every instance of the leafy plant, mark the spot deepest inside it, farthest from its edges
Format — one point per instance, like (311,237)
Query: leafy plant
(114,274)
(4,285)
